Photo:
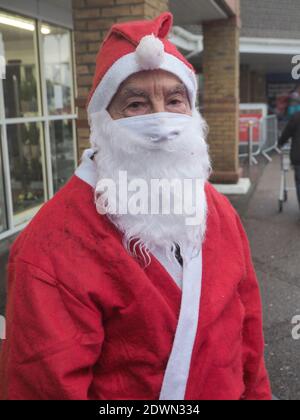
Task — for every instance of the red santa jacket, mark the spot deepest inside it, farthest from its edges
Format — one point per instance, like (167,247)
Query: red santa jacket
(86,321)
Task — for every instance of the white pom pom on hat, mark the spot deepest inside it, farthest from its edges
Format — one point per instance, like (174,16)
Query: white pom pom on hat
(150,53)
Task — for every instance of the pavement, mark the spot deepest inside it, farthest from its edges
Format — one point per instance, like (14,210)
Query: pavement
(275,245)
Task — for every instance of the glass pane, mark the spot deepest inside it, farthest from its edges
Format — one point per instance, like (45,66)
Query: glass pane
(18,46)
(58,69)
(26,168)
(3,220)
(62,152)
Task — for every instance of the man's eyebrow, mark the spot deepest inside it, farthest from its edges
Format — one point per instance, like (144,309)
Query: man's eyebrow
(178,89)
(129,92)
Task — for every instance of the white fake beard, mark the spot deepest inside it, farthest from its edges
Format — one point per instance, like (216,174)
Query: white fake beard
(185,157)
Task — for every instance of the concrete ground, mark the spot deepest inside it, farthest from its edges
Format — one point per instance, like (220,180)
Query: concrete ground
(275,244)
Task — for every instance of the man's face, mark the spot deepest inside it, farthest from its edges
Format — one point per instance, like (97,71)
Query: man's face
(149,92)
(129,162)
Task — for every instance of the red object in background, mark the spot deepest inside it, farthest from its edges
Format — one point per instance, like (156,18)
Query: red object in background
(244,126)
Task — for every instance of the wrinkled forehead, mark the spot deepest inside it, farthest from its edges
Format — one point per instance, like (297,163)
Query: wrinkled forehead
(145,82)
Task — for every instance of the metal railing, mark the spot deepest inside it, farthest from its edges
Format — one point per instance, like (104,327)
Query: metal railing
(270,127)
(262,138)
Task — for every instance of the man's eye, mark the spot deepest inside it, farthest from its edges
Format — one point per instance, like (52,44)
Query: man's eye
(135,105)
(175,102)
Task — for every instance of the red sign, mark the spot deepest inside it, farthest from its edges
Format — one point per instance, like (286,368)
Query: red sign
(245,119)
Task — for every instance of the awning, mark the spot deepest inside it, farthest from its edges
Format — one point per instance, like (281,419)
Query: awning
(198,11)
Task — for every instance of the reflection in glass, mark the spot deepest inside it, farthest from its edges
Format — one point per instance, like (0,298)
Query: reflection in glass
(17,44)
(26,170)
(3,221)
(58,69)
(62,152)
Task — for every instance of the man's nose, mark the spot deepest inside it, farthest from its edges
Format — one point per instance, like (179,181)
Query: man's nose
(158,106)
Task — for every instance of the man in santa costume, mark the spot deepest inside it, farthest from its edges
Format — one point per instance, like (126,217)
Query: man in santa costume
(111,304)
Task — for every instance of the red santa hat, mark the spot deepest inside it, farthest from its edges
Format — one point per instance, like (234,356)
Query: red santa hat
(132,47)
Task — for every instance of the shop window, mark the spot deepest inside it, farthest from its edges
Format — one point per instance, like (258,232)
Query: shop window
(36,115)
(18,39)
(26,168)
(62,152)
(58,69)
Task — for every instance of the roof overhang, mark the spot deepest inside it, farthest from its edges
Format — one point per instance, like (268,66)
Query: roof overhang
(268,55)
(195,12)
(269,46)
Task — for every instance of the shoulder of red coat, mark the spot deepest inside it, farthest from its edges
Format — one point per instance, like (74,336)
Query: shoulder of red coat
(54,223)
(221,211)
(219,201)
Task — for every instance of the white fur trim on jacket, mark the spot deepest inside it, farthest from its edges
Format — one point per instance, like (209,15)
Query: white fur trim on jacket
(179,363)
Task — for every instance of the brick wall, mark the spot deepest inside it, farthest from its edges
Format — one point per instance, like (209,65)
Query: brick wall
(221,96)
(92,19)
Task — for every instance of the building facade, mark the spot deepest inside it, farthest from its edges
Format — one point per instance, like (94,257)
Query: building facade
(50,46)
(270,42)
(48,50)
(221,20)
(269,45)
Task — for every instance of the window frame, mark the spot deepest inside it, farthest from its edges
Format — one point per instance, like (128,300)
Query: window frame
(45,118)
(2,191)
